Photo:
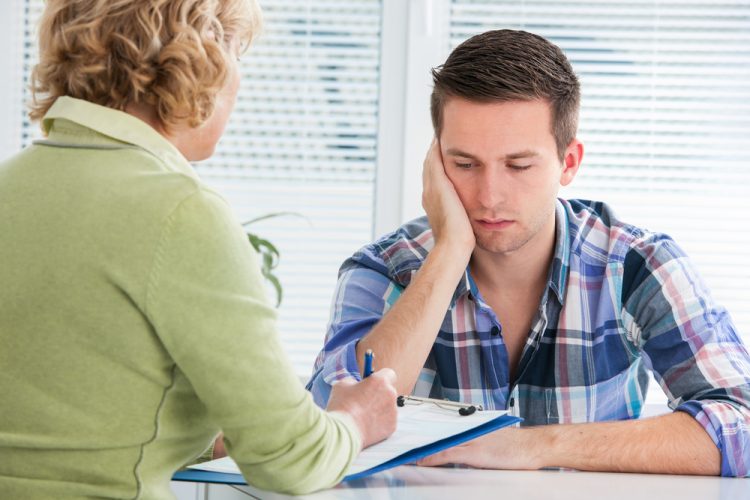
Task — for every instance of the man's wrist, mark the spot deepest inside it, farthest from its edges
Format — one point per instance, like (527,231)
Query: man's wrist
(455,255)
(545,446)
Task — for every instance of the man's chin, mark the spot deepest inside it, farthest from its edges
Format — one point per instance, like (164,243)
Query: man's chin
(497,245)
(495,248)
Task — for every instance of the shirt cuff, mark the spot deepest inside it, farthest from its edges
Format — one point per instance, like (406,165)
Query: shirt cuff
(727,425)
(339,364)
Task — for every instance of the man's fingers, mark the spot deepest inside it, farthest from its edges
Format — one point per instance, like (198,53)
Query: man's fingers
(441,458)
(460,454)
(433,150)
(429,160)
(437,152)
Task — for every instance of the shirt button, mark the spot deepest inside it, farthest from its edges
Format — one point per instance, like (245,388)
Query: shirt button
(495,331)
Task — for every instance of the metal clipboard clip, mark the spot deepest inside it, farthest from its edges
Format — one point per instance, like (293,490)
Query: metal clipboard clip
(463,408)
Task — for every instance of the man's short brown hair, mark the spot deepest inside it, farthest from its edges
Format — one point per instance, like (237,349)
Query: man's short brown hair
(509,65)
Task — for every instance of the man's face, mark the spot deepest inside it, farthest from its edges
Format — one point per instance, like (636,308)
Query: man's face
(502,160)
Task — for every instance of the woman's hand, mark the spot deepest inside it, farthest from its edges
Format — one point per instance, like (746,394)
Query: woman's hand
(219,450)
(371,403)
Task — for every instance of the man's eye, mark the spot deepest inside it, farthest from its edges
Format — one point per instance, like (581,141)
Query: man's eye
(463,165)
(520,167)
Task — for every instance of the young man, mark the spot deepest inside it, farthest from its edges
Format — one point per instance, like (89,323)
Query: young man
(555,308)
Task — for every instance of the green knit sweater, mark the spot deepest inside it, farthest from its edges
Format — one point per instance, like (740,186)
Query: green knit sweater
(134,326)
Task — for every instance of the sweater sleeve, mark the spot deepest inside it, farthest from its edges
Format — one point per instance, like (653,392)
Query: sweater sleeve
(206,300)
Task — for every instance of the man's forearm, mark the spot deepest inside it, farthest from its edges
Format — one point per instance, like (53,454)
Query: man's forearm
(404,336)
(668,444)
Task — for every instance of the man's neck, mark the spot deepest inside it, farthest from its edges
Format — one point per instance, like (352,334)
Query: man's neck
(521,271)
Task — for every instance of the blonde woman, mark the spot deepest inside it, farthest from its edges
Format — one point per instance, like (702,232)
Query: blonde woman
(133,322)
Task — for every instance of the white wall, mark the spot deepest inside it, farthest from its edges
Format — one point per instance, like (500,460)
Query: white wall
(11,90)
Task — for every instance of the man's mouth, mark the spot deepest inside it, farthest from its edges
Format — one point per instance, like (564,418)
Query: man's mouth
(495,224)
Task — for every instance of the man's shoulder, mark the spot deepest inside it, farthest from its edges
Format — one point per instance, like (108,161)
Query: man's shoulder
(397,254)
(597,234)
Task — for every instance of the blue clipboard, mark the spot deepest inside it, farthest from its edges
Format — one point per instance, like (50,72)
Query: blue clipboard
(204,476)
(410,456)
(415,454)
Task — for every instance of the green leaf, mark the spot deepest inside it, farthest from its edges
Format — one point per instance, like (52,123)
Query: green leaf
(254,241)
(269,254)
(277,286)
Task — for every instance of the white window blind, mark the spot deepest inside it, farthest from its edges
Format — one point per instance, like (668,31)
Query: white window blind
(302,139)
(32,11)
(665,117)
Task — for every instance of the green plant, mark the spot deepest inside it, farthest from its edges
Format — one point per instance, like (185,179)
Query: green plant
(269,254)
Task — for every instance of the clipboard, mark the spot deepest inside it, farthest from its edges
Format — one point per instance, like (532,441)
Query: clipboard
(433,427)
(204,476)
(498,421)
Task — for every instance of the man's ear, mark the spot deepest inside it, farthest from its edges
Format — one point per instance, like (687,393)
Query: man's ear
(571,161)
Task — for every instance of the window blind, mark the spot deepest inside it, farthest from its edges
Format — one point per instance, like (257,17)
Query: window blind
(32,11)
(302,139)
(665,117)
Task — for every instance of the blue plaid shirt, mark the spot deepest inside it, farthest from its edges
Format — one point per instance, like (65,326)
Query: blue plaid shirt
(619,301)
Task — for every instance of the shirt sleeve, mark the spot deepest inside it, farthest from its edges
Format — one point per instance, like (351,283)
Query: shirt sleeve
(362,297)
(691,345)
(206,300)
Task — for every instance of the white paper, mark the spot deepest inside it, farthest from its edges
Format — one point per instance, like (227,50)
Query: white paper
(418,425)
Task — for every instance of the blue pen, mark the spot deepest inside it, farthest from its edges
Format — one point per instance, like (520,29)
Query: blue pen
(368,362)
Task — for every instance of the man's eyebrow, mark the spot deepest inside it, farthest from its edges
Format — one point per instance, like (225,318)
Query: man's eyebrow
(527,153)
(458,152)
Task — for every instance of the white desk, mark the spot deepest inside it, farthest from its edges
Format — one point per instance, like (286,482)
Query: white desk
(417,483)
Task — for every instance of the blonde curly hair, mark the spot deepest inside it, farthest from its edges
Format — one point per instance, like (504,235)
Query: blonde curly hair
(172,55)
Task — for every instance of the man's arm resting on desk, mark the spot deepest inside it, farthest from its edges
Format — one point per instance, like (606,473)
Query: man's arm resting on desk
(668,444)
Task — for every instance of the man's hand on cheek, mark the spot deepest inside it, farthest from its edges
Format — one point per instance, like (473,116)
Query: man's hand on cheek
(447,216)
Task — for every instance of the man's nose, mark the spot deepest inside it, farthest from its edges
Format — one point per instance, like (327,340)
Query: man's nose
(492,189)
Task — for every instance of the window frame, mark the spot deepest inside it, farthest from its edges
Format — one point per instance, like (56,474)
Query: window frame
(11,88)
